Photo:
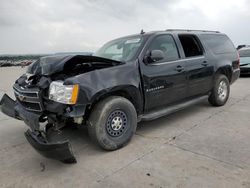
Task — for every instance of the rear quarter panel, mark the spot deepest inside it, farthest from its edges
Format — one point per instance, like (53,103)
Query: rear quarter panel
(227,60)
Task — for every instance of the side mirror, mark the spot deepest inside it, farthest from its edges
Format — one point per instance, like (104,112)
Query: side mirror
(155,55)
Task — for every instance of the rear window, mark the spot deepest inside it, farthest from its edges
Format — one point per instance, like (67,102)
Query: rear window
(219,44)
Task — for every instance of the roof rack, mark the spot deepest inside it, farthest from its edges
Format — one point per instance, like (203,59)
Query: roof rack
(188,30)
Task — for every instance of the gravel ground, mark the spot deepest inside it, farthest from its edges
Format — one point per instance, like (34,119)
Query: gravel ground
(201,146)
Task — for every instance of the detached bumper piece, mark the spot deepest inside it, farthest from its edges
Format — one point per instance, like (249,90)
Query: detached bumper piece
(60,151)
(7,106)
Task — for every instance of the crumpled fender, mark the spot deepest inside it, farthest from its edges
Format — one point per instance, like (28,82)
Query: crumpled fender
(97,83)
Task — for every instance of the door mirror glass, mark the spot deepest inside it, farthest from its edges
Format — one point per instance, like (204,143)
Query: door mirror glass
(155,55)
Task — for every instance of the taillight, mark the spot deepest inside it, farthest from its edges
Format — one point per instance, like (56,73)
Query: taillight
(238,60)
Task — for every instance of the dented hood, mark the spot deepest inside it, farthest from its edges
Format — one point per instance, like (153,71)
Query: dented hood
(53,64)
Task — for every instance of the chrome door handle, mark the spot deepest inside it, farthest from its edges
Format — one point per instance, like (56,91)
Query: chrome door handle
(204,63)
(179,68)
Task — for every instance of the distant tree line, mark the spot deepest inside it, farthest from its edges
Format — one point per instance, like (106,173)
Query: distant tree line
(24,60)
(17,60)
(19,57)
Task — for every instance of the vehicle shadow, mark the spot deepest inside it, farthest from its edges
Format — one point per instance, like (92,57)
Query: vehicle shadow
(166,127)
(245,76)
(174,118)
(80,139)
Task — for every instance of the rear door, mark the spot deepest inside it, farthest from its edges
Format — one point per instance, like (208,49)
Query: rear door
(199,69)
(165,80)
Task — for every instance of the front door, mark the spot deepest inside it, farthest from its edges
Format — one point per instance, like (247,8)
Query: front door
(164,81)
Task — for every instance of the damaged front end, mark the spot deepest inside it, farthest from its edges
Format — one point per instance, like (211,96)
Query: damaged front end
(34,106)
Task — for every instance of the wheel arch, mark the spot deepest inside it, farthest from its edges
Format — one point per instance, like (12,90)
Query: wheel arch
(129,92)
(227,71)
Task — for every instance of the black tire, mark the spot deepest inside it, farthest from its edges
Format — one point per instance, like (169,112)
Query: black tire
(215,97)
(112,123)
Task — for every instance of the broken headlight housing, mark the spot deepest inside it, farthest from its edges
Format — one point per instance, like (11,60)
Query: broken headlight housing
(66,94)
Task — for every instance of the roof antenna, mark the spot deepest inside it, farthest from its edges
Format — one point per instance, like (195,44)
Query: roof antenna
(142,32)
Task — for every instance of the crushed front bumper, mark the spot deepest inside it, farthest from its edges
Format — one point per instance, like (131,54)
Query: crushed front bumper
(60,150)
(7,106)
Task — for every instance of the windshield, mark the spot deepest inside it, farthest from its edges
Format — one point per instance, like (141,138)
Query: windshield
(244,60)
(244,52)
(123,49)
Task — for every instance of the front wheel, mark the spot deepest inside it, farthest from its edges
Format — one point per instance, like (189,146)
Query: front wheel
(112,122)
(220,92)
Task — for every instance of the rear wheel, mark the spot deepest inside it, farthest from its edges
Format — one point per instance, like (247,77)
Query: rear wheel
(220,92)
(112,122)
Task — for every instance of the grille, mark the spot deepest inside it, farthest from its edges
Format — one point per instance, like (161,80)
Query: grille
(28,98)
(245,70)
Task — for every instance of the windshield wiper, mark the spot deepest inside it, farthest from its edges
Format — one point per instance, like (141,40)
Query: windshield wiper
(242,65)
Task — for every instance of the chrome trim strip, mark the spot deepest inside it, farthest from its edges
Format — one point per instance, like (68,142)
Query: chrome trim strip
(25,91)
(31,109)
(34,109)
(20,94)
(179,60)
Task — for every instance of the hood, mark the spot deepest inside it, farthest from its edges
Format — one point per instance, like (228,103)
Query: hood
(53,64)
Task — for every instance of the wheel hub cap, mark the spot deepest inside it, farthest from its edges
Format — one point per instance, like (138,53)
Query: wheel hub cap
(116,123)
(222,90)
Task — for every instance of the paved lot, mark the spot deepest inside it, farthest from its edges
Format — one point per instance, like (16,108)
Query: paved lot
(201,146)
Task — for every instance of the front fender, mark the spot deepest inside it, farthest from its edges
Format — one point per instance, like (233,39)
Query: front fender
(94,84)
(127,91)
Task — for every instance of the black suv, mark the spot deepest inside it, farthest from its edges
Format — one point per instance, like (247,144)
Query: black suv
(135,78)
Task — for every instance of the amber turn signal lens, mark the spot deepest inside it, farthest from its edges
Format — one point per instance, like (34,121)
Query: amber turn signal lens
(74,95)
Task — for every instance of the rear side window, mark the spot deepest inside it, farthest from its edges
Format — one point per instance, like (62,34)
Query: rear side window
(219,44)
(191,45)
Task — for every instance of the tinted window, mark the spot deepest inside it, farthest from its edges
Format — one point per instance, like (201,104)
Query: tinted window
(167,45)
(219,44)
(191,45)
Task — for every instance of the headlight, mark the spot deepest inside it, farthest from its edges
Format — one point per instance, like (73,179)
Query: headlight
(66,94)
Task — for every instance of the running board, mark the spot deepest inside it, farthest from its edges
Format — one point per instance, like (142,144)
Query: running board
(171,109)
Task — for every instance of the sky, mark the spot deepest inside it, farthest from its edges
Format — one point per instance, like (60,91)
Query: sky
(50,26)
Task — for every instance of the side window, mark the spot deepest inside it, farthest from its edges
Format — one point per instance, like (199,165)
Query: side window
(167,45)
(219,44)
(191,45)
